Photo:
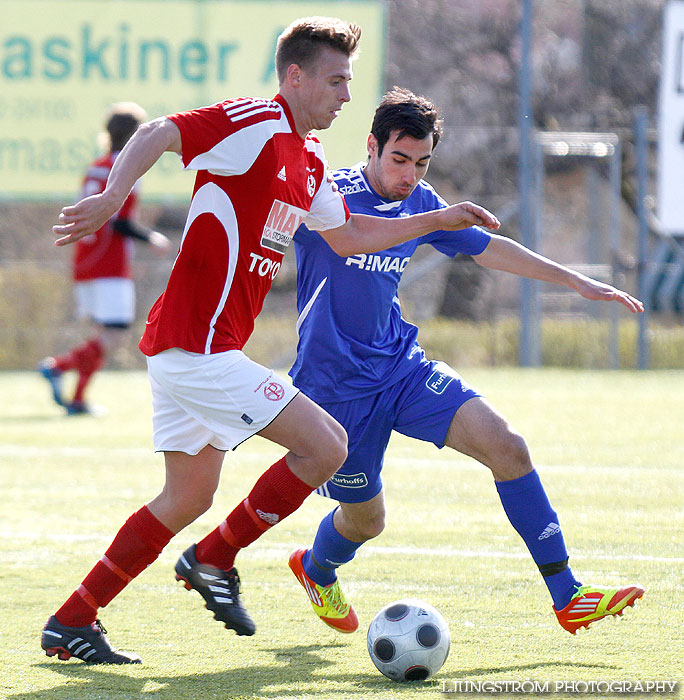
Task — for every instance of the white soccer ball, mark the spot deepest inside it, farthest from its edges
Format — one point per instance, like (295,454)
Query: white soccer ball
(408,640)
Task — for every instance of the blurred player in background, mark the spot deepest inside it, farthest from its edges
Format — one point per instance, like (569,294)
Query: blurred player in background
(103,282)
(361,362)
(260,174)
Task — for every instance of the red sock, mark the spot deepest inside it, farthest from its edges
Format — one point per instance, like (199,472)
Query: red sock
(89,357)
(276,494)
(83,357)
(137,544)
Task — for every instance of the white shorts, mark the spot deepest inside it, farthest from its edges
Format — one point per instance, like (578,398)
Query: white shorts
(106,300)
(218,400)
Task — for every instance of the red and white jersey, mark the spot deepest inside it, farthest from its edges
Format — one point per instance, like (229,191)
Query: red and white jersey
(258,180)
(104,253)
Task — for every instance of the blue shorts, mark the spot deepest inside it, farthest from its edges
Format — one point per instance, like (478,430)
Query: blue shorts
(421,405)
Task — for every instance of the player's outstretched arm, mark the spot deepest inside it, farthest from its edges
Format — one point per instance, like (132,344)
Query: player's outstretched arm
(508,255)
(141,152)
(370,234)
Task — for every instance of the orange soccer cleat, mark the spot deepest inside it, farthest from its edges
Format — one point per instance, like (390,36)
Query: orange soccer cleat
(328,602)
(592,603)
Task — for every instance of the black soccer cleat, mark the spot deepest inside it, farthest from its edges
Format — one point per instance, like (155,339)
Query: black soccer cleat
(220,590)
(87,643)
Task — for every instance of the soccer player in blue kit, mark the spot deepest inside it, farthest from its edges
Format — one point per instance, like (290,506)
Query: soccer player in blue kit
(358,358)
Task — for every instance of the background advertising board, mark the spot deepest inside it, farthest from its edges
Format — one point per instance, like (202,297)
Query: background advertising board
(62,62)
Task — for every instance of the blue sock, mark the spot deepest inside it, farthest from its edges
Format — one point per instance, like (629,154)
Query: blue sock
(529,511)
(329,551)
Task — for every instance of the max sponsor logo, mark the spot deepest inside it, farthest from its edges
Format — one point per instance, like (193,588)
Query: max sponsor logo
(350,481)
(282,222)
(438,381)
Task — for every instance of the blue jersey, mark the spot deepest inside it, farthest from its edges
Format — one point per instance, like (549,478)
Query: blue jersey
(353,340)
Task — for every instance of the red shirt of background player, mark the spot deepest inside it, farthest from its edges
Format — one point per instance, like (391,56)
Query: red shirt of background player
(105,253)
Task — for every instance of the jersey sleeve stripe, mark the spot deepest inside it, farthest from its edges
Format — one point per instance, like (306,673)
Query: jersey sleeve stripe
(254,112)
(233,109)
(238,105)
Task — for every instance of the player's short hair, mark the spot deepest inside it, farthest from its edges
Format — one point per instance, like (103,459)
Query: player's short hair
(121,121)
(302,41)
(409,114)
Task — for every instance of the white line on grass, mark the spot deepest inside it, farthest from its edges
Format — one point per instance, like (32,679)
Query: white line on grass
(13,450)
(276,551)
(279,550)
(459,463)
(36,451)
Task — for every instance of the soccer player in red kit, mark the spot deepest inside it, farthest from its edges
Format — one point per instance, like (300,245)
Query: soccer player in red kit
(103,282)
(260,174)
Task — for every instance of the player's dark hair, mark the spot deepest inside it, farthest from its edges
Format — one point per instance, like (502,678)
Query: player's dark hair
(303,40)
(409,114)
(121,122)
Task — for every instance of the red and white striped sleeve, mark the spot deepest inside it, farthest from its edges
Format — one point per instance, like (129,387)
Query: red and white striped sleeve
(226,138)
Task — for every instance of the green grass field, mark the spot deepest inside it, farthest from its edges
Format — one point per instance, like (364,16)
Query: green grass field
(609,446)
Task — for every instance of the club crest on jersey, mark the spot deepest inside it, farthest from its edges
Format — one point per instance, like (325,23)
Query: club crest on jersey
(282,222)
(311,185)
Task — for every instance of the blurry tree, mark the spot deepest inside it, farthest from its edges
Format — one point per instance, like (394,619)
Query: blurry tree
(621,60)
(593,62)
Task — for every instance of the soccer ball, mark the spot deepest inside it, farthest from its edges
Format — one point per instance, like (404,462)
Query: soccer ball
(408,640)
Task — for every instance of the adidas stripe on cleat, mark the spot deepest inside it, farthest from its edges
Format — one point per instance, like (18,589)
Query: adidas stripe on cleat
(87,643)
(220,590)
(592,603)
(328,602)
